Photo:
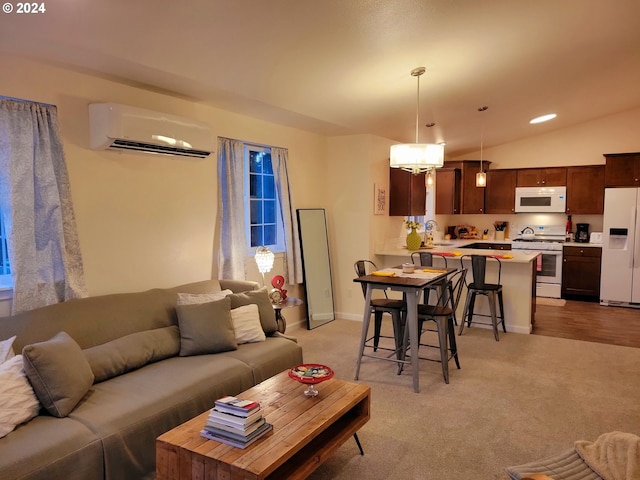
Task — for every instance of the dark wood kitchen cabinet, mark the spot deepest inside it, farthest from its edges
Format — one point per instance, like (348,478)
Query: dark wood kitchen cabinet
(542,177)
(585,189)
(407,193)
(581,272)
(471,197)
(622,170)
(448,191)
(500,192)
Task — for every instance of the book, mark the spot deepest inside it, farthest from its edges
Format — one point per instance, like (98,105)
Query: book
(236,406)
(236,435)
(234,420)
(267,427)
(213,426)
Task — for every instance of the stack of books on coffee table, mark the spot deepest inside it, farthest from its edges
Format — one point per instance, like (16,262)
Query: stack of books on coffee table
(235,422)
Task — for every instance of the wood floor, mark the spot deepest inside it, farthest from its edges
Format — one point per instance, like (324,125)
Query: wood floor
(589,321)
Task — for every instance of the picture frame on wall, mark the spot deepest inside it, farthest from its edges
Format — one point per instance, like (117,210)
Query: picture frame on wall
(379,199)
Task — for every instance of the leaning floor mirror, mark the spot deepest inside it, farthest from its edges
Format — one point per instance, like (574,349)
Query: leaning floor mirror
(312,225)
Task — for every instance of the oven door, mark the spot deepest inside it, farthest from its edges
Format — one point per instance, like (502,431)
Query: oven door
(549,274)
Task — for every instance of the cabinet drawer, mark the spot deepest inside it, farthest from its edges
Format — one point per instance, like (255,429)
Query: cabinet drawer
(583,251)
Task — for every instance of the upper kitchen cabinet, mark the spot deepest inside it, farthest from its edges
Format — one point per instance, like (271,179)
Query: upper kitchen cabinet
(448,191)
(500,192)
(471,198)
(622,170)
(542,177)
(585,189)
(407,193)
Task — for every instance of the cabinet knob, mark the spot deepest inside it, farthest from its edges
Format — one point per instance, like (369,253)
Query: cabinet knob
(543,182)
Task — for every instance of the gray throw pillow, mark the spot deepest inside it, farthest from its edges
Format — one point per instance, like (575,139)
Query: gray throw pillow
(59,373)
(261,298)
(132,351)
(206,328)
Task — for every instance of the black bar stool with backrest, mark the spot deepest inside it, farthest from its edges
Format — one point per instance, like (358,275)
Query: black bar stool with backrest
(480,286)
(379,306)
(425,259)
(442,314)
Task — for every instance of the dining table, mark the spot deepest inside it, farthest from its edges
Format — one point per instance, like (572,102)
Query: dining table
(411,285)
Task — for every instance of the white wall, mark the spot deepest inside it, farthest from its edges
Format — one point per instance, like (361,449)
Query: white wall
(149,221)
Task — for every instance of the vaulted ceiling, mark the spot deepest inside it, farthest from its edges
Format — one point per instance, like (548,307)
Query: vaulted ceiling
(343,66)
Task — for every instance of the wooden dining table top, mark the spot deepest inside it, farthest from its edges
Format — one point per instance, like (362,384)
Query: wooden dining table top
(418,279)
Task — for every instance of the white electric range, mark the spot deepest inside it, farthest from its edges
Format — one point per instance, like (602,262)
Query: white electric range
(548,239)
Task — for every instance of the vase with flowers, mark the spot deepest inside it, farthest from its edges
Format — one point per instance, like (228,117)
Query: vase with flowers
(413,237)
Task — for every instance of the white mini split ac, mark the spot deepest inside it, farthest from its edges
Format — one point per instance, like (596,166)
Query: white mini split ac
(120,127)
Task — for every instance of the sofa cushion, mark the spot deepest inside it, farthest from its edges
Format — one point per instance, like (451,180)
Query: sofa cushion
(132,351)
(206,328)
(49,448)
(18,403)
(246,324)
(59,373)
(191,298)
(261,298)
(130,411)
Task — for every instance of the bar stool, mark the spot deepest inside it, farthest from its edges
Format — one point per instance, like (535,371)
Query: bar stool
(442,314)
(479,286)
(425,259)
(379,306)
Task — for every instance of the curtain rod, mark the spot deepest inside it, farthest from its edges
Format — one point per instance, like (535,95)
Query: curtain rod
(3,97)
(254,144)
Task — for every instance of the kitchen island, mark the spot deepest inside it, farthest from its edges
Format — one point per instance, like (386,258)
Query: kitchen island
(518,277)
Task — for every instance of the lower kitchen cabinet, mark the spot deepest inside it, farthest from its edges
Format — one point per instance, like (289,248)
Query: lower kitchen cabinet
(581,272)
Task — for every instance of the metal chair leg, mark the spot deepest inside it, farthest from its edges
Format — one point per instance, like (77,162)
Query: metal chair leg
(355,437)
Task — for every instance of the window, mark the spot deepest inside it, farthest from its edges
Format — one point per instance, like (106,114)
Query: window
(264,221)
(5,267)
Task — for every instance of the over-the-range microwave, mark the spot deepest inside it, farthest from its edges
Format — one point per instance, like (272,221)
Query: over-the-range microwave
(541,199)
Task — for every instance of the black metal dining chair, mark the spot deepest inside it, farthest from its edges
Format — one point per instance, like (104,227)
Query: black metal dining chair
(439,318)
(397,309)
(425,259)
(480,286)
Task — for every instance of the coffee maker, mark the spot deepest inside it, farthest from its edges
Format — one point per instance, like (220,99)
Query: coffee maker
(582,232)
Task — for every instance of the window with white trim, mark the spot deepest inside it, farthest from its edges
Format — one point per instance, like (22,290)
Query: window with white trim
(262,208)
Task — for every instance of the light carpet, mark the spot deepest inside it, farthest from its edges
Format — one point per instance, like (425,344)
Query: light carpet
(513,401)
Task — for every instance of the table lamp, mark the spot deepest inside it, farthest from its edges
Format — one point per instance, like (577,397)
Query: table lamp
(264,259)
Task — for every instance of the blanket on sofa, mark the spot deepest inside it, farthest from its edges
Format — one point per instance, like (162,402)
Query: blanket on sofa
(613,456)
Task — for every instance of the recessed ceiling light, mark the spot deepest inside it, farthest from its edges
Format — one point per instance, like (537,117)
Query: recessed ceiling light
(543,118)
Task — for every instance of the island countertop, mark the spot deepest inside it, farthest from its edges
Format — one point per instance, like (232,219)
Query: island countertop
(518,275)
(457,248)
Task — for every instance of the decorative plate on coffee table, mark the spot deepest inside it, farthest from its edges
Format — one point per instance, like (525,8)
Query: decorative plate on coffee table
(311,373)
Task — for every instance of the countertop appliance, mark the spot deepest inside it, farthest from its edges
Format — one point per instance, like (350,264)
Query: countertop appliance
(620,274)
(582,232)
(541,200)
(548,239)
(596,238)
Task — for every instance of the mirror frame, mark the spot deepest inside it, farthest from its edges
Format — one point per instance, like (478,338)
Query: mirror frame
(322,248)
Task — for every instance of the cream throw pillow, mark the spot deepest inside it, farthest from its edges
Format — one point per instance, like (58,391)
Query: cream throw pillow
(193,298)
(18,402)
(6,349)
(246,324)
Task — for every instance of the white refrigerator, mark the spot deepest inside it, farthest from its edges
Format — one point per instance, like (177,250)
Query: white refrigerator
(620,278)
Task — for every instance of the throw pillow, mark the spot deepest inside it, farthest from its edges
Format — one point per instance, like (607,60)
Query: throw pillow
(59,373)
(206,328)
(132,351)
(191,298)
(246,324)
(6,349)
(261,299)
(18,403)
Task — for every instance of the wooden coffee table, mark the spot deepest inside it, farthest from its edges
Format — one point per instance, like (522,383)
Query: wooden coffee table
(306,430)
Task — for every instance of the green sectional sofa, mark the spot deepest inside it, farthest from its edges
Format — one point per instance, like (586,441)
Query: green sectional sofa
(139,381)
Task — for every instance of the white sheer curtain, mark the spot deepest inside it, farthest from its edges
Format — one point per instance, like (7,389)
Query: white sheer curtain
(35,200)
(293,260)
(231,212)
(232,257)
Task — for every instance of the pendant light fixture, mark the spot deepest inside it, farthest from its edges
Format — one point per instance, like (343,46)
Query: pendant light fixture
(417,157)
(481,176)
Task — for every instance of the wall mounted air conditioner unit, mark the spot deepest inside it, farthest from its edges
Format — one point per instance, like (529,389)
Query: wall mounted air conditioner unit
(120,127)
